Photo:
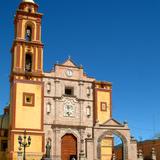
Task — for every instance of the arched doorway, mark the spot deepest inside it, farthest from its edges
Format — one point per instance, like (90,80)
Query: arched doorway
(68,146)
(107,147)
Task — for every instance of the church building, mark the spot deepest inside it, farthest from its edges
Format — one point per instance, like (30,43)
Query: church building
(64,108)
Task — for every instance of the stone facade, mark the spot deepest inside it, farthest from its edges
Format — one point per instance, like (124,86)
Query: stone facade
(58,121)
(81,122)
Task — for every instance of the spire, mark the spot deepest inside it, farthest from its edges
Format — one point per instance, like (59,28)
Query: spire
(30,1)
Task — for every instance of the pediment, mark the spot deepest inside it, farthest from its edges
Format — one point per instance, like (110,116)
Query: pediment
(69,62)
(112,122)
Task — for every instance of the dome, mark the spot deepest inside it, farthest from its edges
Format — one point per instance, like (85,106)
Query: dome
(30,1)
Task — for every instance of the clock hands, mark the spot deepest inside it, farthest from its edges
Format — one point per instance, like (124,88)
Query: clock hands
(68,110)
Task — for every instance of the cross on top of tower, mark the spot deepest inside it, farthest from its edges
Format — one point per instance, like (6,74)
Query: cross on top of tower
(30,1)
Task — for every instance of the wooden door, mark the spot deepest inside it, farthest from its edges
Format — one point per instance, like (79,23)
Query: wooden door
(68,146)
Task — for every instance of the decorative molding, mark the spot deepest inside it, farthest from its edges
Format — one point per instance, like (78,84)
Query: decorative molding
(28,99)
(103,106)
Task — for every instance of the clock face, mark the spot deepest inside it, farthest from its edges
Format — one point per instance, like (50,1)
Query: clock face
(69,72)
(68,111)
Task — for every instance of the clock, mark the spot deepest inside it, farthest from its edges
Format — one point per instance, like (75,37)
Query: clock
(69,72)
(68,111)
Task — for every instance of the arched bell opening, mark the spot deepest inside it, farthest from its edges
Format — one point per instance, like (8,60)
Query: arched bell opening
(28,33)
(28,62)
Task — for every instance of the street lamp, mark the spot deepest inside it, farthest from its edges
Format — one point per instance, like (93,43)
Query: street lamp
(23,144)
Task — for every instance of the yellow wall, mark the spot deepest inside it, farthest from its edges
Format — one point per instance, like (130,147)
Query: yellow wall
(36,143)
(11,104)
(103,97)
(28,116)
(34,151)
(106,148)
(15,58)
(29,157)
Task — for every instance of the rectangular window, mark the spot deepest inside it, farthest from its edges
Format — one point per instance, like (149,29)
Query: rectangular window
(103,106)
(28,99)
(69,91)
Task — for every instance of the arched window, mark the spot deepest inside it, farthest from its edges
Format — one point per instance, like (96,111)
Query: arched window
(28,34)
(48,108)
(28,62)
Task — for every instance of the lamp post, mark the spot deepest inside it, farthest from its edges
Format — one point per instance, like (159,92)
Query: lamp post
(25,143)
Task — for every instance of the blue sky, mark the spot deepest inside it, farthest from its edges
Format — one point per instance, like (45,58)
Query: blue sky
(116,40)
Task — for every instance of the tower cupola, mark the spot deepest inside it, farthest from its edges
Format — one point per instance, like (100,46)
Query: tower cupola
(30,1)
(28,6)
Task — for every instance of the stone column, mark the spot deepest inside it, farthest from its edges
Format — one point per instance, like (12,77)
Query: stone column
(81,102)
(82,142)
(114,156)
(81,113)
(140,154)
(57,144)
(133,148)
(153,154)
(82,156)
(89,148)
(57,93)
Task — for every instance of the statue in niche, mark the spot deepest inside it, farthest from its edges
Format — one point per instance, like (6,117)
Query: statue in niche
(48,150)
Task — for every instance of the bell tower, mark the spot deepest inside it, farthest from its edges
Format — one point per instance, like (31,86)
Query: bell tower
(27,49)
(26,86)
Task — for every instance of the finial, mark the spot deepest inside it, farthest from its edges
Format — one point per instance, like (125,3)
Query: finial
(30,1)
(125,122)
(69,57)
